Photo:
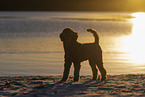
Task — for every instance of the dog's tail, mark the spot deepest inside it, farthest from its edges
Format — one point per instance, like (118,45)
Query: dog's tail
(95,34)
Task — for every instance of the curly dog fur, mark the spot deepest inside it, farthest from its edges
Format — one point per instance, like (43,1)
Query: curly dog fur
(76,53)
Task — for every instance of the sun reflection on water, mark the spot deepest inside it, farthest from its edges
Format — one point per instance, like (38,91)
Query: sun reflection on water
(134,44)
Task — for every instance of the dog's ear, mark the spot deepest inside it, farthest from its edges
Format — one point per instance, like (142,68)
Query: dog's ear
(75,36)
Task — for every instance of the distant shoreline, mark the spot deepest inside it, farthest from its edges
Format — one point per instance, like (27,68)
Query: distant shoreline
(69,11)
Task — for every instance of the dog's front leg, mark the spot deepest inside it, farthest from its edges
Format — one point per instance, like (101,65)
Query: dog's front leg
(94,69)
(67,66)
(77,67)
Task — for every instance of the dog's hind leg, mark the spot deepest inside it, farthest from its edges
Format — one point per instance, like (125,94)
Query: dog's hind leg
(102,71)
(67,66)
(94,70)
(77,67)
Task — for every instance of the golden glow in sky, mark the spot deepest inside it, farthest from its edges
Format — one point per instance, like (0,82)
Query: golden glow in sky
(135,44)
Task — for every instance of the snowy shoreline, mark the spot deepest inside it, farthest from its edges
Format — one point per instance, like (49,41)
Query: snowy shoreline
(49,86)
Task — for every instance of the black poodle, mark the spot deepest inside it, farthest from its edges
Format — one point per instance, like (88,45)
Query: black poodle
(76,53)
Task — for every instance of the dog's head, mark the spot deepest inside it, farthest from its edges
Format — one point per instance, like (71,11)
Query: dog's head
(68,35)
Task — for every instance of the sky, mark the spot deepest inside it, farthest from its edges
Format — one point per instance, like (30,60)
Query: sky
(73,5)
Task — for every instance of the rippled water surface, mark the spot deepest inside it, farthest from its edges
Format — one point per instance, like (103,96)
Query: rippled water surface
(30,44)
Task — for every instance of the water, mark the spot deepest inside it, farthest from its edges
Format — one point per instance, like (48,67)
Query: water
(30,44)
